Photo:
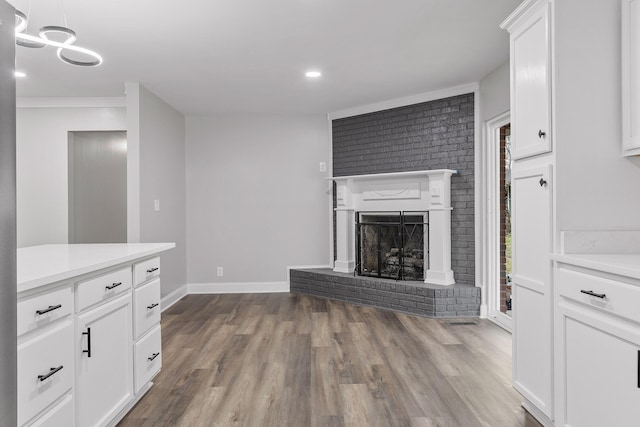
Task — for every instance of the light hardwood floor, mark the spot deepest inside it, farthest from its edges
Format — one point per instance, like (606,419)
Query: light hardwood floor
(295,360)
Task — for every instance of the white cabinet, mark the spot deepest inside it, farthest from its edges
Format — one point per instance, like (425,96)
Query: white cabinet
(530,28)
(45,355)
(532,296)
(631,77)
(148,343)
(147,307)
(104,367)
(79,357)
(148,357)
(45,370)
(597,349)
(531,83)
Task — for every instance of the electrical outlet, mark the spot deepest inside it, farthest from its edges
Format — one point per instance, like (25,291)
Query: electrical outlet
(220,272)
(156,205)
(323,166)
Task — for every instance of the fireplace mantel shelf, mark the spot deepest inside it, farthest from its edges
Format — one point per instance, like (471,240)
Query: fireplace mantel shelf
(394,174)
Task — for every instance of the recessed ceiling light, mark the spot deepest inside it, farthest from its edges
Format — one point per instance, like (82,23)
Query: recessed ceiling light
(313,74)
(19,74)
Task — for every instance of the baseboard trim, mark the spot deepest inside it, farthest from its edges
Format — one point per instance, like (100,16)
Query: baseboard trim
(233,287)
(237,288)
(484,310)
(175,296)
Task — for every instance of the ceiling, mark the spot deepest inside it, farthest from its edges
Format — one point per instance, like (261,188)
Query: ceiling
(226,56)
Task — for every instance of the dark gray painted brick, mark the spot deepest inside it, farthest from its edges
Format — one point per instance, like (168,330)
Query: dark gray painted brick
(383,293)
(432,135)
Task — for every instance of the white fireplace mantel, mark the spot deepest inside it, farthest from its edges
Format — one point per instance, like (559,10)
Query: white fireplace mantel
(426,190)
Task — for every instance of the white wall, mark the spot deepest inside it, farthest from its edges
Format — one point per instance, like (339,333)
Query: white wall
(42,166)
(597,187)
(158,142)
(256,201)
(494,93)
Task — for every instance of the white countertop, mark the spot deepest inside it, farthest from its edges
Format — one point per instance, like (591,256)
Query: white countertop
(622,264)
(41,265)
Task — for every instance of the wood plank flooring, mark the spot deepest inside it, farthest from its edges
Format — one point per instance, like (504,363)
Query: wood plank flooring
(296,360)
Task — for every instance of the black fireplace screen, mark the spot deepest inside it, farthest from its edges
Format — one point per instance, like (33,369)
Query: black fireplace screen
(392,244)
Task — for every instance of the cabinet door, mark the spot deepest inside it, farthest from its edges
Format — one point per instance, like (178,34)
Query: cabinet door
(104,368)
(630,79)
(531,86)
(602,382)
(532,310)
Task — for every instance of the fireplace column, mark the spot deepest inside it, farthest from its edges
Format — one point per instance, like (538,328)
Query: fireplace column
(345,229)
(439,272)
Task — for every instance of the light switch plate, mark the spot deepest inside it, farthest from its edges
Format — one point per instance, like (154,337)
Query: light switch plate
(323,166)
(156,205)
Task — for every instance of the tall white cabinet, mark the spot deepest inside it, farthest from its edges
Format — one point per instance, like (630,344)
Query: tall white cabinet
(530,28)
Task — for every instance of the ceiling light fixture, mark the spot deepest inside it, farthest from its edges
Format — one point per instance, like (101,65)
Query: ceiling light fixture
(27,40)
(313,74)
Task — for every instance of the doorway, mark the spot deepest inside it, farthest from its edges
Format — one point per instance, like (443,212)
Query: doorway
(98,187)
(496,219)
(504,166)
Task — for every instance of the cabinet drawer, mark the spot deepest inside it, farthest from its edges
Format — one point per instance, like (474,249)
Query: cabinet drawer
(148,357)
(42,309)
(45,370)
(103,288)
(59,415)
(146,270)
(146,307)
(619,298)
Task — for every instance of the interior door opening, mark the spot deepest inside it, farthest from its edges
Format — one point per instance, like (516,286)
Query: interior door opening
(98,187)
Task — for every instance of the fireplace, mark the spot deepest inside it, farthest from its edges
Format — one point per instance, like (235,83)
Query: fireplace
(408,213)
(392,244)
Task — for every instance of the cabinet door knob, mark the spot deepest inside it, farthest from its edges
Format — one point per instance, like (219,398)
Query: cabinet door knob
(542,182)
(541,134)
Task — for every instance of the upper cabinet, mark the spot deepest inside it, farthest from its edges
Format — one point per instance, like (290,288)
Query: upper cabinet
(530,81)
(631,77)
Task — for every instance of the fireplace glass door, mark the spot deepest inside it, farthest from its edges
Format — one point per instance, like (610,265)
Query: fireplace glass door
(392,244)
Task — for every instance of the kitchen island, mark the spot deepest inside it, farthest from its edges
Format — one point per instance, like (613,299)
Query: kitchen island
(89,339)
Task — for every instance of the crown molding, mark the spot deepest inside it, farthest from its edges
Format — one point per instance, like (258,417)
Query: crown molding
(404,101)
(77,102)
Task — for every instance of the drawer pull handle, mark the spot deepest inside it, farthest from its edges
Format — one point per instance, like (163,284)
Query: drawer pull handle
(153,356)
(541,134)
(154,305)
(151,270)
(88,334)
(46,310)
(51,372)
(113,286)
(593,294)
